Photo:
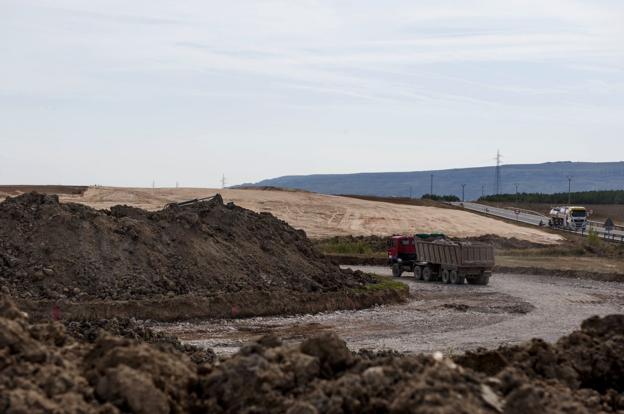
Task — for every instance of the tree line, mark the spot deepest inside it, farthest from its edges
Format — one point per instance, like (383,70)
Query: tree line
(580,197)
(435,197)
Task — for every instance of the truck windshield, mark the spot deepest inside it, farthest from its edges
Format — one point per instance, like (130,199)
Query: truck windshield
(579,213)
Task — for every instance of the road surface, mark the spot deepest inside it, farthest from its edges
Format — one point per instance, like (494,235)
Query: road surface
(437,317)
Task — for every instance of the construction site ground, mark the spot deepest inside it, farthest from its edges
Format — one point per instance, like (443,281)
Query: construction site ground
(564,263)
(511,309)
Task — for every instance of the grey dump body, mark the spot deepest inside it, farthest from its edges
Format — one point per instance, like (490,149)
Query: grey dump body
(452,255)
(436,258)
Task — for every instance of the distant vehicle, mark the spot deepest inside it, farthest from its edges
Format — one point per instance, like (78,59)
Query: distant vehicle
(433,257)
(568,217)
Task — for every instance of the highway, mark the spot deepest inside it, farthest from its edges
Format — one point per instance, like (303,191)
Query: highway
(534,219)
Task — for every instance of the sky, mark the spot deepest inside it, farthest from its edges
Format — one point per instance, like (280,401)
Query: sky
(131,93)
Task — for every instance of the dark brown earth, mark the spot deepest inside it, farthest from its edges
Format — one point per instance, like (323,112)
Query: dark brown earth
(13,190)
(44,369)
(91,331)
(69,253)
(52,250)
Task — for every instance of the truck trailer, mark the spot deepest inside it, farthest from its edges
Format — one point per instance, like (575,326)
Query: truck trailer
(568,217)
(433,257)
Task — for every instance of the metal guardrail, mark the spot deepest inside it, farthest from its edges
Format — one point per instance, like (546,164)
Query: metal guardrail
(604,234)
(599,224)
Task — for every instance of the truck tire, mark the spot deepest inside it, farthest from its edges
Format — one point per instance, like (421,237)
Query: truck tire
(484,279)
(417,272)
(427,274)
(445,276)
(396,270)
(457,278)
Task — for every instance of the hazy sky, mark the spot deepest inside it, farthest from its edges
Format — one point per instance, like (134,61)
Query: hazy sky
(123,92)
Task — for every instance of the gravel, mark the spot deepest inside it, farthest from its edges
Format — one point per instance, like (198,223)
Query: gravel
(447,318)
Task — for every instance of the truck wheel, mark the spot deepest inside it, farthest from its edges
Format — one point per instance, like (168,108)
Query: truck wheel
(396,270)
(457,278)
(427,274)
(418,272)
(446,278)
(484,279)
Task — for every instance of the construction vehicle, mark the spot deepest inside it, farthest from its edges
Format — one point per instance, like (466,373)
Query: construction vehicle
(568,218)
(189,202)
(433,257)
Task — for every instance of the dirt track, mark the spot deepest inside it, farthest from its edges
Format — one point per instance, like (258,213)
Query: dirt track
(512,309)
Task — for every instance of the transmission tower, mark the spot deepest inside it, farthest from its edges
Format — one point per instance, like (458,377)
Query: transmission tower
(223,181)
(497,184)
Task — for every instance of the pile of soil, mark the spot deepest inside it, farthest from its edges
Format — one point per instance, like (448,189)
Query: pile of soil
(55,251)
(43,369)
(91,331)
(504,243)
(13,190)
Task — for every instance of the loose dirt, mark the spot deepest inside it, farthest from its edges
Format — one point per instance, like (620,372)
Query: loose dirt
(43,369)
(15,190)
(67,253)
(449,318)
(322,215)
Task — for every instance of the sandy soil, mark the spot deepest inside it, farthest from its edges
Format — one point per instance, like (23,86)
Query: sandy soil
(324,215)
(447,318)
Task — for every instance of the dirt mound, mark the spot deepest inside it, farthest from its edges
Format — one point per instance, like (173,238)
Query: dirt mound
(43,369)
(504,242)
(50,250)
(591,358)
(91,331)
(13,190)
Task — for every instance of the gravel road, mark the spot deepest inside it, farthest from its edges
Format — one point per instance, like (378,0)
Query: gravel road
(447,318)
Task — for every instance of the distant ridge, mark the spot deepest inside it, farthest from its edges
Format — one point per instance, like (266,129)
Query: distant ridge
(550,177)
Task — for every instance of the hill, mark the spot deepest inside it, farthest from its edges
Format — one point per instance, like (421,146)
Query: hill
(549,177)
(323,215)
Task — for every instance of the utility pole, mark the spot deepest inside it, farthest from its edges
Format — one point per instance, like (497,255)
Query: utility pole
(516,184)
(463,192)
(498,172)
(431,190)
(569,189)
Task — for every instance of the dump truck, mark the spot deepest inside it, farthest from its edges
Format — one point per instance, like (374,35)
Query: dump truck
(433,257)
(568,217)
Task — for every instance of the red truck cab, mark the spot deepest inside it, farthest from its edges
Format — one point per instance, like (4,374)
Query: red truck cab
(401,248)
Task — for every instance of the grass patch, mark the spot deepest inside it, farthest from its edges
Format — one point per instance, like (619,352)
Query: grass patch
(384,283)
(354,246)
(592,246)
